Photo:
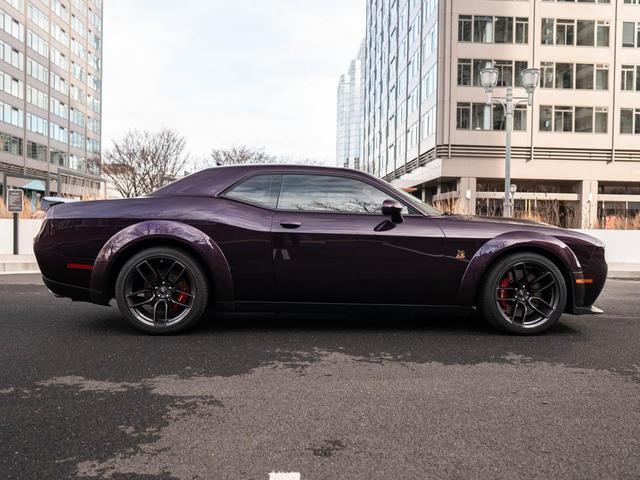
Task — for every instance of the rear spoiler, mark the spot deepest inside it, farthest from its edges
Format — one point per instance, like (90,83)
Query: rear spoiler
(47,202)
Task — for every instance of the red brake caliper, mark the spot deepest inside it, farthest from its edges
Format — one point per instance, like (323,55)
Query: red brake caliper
(504,294)
(181,297)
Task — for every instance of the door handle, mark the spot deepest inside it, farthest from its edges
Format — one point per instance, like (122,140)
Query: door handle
(290,224)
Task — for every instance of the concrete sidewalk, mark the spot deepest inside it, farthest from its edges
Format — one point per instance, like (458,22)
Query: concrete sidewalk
(27,264)
(624,271)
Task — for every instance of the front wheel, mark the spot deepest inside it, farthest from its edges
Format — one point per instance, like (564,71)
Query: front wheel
(524,293)
(162,290)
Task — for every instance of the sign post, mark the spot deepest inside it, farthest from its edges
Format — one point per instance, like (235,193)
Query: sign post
(15,199)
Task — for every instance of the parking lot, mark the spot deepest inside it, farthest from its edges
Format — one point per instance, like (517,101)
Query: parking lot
(82,395)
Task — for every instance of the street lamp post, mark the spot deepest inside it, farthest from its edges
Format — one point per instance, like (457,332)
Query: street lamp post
(489,80)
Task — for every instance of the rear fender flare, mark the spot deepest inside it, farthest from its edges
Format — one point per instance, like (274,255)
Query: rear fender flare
(512,241)
(192,238)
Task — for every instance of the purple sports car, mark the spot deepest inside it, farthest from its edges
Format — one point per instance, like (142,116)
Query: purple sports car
(298,238)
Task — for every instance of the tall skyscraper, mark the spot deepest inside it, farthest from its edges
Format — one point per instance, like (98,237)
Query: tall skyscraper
(351,114)
(576,151)
(50,96)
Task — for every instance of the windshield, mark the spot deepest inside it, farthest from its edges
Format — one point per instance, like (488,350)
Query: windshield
(416,202)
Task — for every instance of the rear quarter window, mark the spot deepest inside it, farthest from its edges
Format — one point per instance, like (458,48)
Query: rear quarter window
(261,190)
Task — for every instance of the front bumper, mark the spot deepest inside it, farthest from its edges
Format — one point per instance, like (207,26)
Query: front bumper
(591,310)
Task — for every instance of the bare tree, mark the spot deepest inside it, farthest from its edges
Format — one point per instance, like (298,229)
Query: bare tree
(142,162)
(239,156)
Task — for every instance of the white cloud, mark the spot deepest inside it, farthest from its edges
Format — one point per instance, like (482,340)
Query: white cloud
(225,72)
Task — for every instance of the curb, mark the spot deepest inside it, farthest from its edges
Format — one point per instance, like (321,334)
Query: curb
(21,272)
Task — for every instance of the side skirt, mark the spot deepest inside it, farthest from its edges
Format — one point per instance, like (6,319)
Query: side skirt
(303,307)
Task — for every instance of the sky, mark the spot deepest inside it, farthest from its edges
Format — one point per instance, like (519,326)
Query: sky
(262,73)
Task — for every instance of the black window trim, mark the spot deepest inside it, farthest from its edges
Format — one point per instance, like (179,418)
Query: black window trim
(413,212)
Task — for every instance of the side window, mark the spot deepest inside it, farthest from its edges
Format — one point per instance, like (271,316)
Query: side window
(260,190)
(324,193)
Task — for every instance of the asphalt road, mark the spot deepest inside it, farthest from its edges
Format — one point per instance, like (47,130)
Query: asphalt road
(84,396)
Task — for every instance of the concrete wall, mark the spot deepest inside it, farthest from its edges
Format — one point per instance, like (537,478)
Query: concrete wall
(621,245)
(28,230)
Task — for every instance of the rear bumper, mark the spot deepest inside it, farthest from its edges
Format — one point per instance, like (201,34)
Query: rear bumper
(75,293)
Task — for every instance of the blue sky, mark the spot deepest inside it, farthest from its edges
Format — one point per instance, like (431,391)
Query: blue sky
(262,73)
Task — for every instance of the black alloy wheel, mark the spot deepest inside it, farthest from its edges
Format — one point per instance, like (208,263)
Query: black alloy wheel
(523,293)
(162,290)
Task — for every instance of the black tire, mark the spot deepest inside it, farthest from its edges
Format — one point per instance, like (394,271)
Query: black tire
(162,290)
(523,293)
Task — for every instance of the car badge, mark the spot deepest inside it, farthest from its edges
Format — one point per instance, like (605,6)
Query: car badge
(461,255)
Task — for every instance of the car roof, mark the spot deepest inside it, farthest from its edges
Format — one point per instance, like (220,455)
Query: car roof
(212,181)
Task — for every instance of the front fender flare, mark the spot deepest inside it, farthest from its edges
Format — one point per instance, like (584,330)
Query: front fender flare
(189,236)
(512,241)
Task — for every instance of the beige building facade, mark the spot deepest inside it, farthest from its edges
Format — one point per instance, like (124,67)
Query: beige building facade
(50,97)
(576,150)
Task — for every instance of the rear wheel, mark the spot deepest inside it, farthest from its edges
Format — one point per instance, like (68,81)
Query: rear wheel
(523,293)
(162,290)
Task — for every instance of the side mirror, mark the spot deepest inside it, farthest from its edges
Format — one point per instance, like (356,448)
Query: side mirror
(393,209)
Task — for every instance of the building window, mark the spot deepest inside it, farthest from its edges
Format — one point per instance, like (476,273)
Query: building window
(463,116)
(480,116)
(479,64)
(573,119)
(547,31)
(464,71)
(585,33)
(630,120)
(505,75)
(584,76)
(567,76)
(11,115)
(489,29)
(10,144)
(584,119)
(564,32)
(509,71)
(482,29)
(563,119)
(522,30)
(547,74)
(10,85)
(37,124)
(601,120)
(483,117)
(631,34)
(520,66)
(504,30)
(575,32)
(602,34)
(564,75)
(631,77)
(11,56)
(464,28)
(546,118)
(11,26)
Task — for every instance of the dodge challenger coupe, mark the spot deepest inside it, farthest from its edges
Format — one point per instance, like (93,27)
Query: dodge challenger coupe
(298,238)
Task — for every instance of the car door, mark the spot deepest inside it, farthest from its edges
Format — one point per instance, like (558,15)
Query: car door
(332,245)
(240,223)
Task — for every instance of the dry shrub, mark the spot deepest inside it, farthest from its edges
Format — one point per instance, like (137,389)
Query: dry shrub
(4,213)
(449,205)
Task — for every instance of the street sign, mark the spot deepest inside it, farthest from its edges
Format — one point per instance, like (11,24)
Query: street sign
(15,198)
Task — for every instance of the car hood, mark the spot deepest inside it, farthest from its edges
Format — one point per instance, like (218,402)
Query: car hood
(488,227)
(502,220)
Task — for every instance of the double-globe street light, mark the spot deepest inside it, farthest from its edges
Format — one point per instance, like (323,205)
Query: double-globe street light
(489,80)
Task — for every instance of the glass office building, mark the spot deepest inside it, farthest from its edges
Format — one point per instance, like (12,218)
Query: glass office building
(50,96)
(427,126)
